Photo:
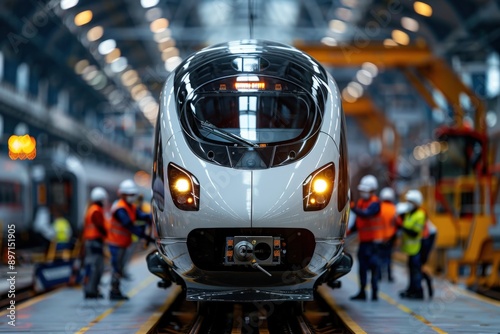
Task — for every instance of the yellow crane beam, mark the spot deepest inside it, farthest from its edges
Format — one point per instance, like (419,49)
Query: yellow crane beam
(352,55)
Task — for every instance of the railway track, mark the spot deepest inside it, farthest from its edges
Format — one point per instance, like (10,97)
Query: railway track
(247,318)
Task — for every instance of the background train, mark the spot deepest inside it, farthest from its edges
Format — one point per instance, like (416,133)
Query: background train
(250,180)
(56,180)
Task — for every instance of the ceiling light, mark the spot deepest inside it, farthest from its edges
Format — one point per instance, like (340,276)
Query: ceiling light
(90,73)
(129,75)
(166,43)
(158,25)
(172,63)
(81,65)
(350,3)
(169,53)
(330,41)
(400,37)
(390,42)
(344,14)
(355,89)
(67,4)
(371,68)
(83,18)
(337,26)
(364,77)
(409,24)
(137,88)
(346,96)
(113,55)
(106,46)
(149,3)
(129,81)
(95,33)
(162,36)
(139,95)
(422,8)
(119,65)
(153,14)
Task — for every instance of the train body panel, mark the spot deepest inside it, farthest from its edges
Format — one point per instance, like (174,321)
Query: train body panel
(250,184)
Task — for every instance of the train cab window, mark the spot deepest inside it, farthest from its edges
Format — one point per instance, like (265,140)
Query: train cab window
(261,118)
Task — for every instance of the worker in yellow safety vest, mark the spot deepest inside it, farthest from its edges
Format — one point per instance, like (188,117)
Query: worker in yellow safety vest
(412,229)
(63,231)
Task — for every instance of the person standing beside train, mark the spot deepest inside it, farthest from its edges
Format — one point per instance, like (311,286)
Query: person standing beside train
(123,215)
(428,240)
(388,212)
(370,228)
(94,234)
(412,227)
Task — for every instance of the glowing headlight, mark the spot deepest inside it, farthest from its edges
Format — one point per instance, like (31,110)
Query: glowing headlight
(317,188)
(182,185)
(184,188)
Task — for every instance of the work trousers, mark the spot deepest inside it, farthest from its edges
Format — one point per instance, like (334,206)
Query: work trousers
(415,270)
(94,265)
(369,260)
(117,264)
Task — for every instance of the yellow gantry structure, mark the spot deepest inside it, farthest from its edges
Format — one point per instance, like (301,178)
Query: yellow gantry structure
(419,64)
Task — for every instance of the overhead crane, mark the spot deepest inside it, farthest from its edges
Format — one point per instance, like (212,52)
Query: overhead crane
(459,203)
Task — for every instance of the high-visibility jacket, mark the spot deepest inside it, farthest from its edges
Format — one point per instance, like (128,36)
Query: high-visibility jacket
(369,228)
(388,214)
(92,229)
(62,227)
(414,221)
(118,235)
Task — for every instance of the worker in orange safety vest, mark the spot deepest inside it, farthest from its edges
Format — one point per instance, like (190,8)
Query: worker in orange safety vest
(370,228)
(94,234)
(389,216)
(123,215)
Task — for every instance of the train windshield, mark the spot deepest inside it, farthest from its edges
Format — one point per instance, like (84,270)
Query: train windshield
(251,118)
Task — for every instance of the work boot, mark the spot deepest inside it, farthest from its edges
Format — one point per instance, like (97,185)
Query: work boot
(360,296)
(93,295)
(117,296)
(415,294)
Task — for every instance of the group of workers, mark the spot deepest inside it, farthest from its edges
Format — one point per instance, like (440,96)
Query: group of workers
(114,230)
(378,222)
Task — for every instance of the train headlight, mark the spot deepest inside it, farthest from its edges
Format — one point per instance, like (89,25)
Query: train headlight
(317,188)
(184,188)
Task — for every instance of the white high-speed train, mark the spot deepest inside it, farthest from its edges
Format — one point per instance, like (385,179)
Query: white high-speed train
(250,180)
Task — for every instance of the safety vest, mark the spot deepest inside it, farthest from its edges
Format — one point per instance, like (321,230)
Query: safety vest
(388,214)
(90,230)
(118,235)
(414,221)
(369,228)
(62,228)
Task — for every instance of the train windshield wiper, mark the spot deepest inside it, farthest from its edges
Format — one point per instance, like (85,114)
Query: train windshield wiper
(226,134)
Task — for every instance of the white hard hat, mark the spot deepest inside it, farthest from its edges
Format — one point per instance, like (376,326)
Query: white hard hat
(387,194)
(402,208)
(98,194)
(128,187)
(368,183)
(414,196)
